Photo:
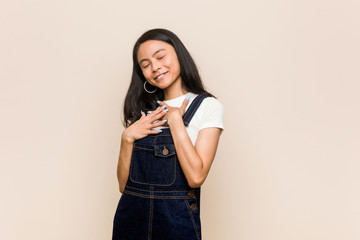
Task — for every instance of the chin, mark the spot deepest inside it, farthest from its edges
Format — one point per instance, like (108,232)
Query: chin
(163,85)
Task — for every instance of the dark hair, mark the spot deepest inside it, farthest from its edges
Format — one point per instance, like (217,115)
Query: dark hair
(137,99)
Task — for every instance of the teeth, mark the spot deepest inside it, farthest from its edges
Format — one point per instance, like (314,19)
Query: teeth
(159,76)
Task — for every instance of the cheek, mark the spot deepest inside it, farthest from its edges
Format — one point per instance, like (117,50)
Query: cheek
(176,66)
(173,63)
(145,73)
(176,63)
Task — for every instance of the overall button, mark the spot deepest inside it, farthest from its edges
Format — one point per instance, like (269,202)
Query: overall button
(191,194)
(193,206)
(165,151)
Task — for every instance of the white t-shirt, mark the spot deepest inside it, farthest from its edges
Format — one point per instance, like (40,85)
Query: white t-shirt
(209,114)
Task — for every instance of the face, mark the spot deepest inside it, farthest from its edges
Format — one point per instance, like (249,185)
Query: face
(159,63)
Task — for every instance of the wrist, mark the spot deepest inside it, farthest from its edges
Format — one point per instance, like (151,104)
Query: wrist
(175,119)
(126,138)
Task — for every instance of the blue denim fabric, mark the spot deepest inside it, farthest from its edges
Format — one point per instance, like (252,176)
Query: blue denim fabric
(158,203)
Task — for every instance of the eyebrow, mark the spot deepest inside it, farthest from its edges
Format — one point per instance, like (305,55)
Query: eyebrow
(142,60)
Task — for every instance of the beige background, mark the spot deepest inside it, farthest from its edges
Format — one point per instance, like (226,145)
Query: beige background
(287,73)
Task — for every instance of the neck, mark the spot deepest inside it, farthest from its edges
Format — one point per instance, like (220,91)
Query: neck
(175,90)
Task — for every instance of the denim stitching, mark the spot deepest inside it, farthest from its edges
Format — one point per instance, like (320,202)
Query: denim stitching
(171,153)
(143,148)
(153,190)
(192,219)
(150,218)
(154,184)
(192,108)
(193,111)
(155,197)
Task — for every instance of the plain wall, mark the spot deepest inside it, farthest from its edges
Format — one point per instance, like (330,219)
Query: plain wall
(287,73)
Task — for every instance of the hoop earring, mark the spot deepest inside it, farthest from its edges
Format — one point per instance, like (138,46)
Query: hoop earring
(148,90)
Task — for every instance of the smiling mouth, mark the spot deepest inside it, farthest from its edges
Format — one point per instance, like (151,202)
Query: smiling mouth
(161,76)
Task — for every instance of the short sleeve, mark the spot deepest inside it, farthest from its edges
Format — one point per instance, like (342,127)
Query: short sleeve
(211,113)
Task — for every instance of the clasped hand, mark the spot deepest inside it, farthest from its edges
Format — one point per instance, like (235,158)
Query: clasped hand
(146,124)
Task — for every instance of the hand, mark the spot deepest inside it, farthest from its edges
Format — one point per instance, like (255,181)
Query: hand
(174,112)
(143,127)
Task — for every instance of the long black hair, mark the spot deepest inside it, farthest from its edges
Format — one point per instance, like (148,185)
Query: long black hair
(137,99)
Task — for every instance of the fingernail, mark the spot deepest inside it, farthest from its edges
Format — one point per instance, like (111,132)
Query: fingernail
(164,121)
(142,112)
(163,106)
(155,121)
(166,110)
(148,112)
(159,130)
(158,101)
(187,98)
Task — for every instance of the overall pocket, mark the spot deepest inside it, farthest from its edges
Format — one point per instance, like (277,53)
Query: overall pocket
(153,165)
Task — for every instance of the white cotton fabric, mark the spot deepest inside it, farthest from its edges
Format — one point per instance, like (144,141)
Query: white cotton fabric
(209,114)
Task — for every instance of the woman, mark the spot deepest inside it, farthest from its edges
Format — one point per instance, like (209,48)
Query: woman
(166,154)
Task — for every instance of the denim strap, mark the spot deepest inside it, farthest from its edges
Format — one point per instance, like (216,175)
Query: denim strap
(193,107)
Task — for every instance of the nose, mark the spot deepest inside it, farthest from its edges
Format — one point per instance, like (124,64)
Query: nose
(156,67)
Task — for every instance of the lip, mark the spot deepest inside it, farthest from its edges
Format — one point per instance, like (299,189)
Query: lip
(164,73)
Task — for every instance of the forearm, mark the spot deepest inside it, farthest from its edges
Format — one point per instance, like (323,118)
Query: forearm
(190,161)
(123,168)
(137,130)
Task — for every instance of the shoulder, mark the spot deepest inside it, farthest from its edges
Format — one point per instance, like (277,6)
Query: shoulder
(211,113)
(211,104)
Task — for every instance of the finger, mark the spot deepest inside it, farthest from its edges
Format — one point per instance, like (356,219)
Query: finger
(155,131)
(142,115)
(158,123)
(149,113)
(160,109)
(185,103)
(158,113)
(164,106)
(161,103)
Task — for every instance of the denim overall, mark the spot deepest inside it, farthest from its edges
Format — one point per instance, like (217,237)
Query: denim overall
(157,203)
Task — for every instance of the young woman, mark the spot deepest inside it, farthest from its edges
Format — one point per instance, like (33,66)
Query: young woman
(173,126)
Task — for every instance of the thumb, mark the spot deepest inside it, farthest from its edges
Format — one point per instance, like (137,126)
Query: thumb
(185,103)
